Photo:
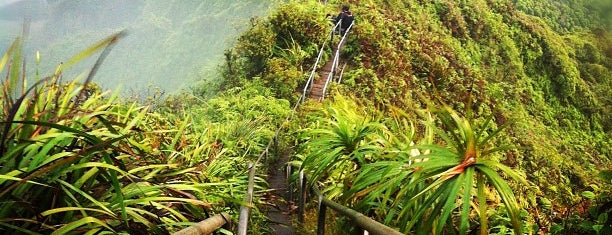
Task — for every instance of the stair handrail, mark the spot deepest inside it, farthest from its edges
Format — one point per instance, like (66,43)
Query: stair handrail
(362,221)
(314,67)
(248,199)
(243,219)
(336,58)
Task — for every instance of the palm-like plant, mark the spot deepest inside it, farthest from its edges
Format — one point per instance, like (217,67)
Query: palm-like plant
(453,169)
(380,187)
(416,187)
(344,143)
(421,191)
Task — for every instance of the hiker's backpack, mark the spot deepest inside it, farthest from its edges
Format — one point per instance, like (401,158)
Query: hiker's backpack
(347,19)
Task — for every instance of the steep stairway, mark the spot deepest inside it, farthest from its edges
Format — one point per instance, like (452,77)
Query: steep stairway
(279,209)
(317,87)
(316,92)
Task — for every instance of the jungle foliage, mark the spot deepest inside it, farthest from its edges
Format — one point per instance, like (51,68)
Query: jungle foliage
(75,159)
(435,93)
(500,60)
(374,165)
(278,49)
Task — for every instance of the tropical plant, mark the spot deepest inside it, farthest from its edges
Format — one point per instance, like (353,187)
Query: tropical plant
(415,187)
(345,141)
(76,160)
(450,173)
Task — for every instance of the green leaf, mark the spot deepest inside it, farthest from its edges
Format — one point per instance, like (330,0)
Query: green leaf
(467,199)
(602,218)
(597,228)
(115,182)
(545,203)
(17,228)
(76,224)
(85,195)
(505,192)
(93,49)
(65,209)
(451,198)
(588,195)
(8,177)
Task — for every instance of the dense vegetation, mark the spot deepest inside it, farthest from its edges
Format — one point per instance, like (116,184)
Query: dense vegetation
(79,160)
(499,59)
(489,116)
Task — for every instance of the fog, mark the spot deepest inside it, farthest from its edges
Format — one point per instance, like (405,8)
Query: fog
(170,44)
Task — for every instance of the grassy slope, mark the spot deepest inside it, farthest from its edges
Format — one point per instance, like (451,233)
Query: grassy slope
(514,65)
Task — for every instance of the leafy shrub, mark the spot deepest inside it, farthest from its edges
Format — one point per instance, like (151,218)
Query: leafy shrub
(276,49)
(418,188)
(76,160)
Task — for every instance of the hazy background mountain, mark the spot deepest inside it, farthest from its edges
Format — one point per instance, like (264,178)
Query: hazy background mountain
(170,43)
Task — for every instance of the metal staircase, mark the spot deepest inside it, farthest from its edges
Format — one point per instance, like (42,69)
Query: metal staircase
(321,77)
(315,88)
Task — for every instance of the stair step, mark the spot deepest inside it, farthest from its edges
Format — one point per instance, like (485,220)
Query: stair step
(316,89)
(321,81)
(318,86)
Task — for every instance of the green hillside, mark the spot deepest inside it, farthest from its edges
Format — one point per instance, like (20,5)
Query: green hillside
(517,61)
(452,117)
(180,41)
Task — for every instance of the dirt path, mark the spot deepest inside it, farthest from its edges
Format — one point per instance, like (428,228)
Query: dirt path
(279,210)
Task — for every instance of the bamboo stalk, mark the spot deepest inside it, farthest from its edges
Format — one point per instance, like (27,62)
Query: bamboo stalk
(245,210)
(206,226)
(372,226)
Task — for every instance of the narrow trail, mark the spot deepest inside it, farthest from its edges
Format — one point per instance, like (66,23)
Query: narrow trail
(279,208)
(317,87)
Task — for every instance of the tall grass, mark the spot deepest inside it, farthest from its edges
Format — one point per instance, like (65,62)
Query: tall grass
(76,160)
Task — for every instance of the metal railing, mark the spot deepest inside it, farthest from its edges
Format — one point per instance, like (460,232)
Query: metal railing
(361,222)
(336,60)
(310,81)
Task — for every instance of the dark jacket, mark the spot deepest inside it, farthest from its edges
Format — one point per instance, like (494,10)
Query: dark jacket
(347,20)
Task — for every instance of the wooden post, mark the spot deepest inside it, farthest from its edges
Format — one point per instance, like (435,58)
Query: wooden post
(321,217)
(206,226)
(245,209)
(289,184)
(276,145)
(301,197)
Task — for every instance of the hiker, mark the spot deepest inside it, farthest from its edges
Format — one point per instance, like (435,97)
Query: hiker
(346,17)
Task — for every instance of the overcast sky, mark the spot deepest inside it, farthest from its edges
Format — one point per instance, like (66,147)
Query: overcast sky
(6,2)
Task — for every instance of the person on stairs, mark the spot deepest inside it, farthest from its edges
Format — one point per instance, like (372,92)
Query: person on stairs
(345,17)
